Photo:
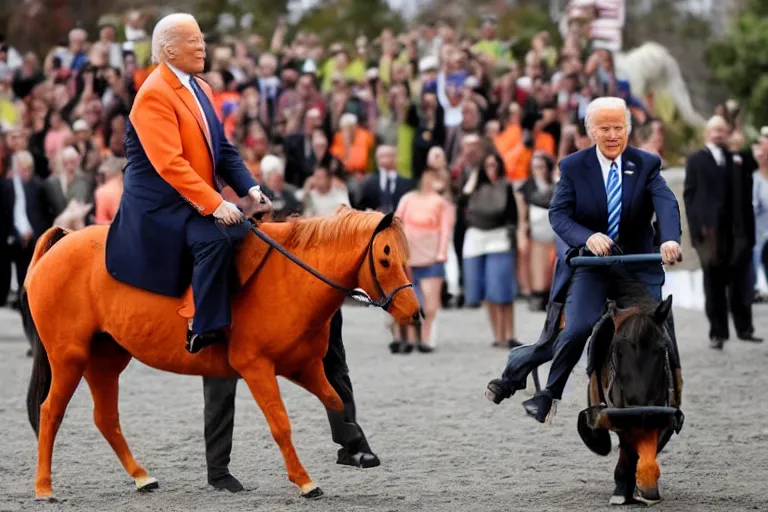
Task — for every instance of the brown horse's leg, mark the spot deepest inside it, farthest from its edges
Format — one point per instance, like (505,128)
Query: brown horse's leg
(66,374)
(102,374)
(261,379)
(648,472)
(313,379)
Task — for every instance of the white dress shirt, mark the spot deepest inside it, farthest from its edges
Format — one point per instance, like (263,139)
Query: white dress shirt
(387,178)
(605,166)
(717,153)
(20,220)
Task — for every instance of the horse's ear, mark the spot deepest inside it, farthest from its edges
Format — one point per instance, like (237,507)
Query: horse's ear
(662,310)
(385,222)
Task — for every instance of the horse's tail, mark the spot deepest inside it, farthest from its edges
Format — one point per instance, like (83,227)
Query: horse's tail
(40,380)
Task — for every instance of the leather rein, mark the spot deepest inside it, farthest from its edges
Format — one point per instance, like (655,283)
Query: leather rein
(384,302)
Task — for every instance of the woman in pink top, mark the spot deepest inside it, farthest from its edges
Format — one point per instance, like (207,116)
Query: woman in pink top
(58,135)
(108,194)
(428,221)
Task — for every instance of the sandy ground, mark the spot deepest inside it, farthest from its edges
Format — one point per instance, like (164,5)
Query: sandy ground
(443,446)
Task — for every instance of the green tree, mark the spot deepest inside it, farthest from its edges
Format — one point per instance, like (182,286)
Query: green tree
(344,20)
(740,61)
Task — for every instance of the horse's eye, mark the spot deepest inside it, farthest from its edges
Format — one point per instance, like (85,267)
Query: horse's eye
(384,263)
(387,250)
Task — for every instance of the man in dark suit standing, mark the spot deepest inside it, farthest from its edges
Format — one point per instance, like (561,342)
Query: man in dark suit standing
(718,202)
(300,155)
(383,189)
(219,417)
(25,214)
(607,193)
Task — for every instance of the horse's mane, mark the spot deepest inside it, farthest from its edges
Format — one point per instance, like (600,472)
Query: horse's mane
(633,297)
(314,231)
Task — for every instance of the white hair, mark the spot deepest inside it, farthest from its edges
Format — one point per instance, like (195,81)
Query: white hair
(606,102)
(165,32)
(716,122)
(271,164)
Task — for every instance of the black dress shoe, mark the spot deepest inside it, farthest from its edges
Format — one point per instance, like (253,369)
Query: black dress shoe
(197,342)
(749,336)
(226,482)
(539,406)
(496,391)
(424,349)
(716,343)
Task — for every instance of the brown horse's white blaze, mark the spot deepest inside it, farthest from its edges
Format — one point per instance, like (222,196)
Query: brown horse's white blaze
(86,324)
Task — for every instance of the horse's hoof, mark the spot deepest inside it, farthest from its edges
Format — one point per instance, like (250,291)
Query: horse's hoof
(363,460)
(649,497)
(147,483)
(617,499)
(314,494)
(46,499)
(620,499)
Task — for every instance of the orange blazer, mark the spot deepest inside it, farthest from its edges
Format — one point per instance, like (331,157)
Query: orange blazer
(172,133)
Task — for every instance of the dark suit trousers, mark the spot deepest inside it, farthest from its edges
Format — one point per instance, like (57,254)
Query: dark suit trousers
(5,272)
(584,305)
(219,413)
(213,276)
(20,257)
(726,286)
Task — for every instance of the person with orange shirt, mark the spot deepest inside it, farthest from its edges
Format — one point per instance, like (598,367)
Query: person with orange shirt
(353,144)
(172,207)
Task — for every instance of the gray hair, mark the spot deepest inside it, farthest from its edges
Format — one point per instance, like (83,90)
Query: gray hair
(165,32)
(271,164)
(602,103)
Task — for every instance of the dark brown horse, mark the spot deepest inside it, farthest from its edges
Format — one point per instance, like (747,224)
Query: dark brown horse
(635,389)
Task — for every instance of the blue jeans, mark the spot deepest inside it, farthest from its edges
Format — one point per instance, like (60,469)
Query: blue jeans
(419,273)
(490,277)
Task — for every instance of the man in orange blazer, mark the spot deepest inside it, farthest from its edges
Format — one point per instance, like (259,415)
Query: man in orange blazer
(173,222)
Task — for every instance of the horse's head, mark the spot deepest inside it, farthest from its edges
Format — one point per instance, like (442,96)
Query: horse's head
(383,272)
(638,366)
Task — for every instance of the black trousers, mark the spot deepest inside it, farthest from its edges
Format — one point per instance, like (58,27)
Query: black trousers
(20,257)
(729,287)
(219,414)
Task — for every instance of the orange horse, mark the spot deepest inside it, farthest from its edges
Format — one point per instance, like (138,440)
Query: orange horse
(85,323)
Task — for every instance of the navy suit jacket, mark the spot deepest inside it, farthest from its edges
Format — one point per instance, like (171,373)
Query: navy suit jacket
(147,241)
(579,209)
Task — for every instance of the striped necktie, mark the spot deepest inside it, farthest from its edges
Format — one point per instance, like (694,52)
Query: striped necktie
(613,192)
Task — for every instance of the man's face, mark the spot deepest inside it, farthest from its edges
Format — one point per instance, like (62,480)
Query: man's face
(17,140)
(69,164)
(718,134)
(188,52)
(609,130)
(386,158)
(24,169)
(107,34)
(312,120)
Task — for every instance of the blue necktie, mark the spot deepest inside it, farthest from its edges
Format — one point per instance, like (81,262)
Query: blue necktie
(210,116)
(613,192)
